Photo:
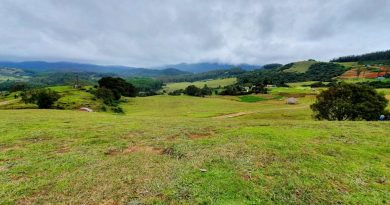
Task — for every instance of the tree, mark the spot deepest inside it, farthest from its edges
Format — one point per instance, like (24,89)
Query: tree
(192,90)
(106,95)
(176,92)
(118,86)
(349,102)
(260,88)
(44,98)
(234,90)
(206,90)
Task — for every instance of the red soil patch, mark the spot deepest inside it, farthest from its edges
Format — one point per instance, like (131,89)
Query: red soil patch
(365,73)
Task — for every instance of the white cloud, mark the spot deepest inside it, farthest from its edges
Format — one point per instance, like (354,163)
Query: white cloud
(151,32)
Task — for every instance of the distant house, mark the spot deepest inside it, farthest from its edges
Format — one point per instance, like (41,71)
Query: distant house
(291,101)
(85,109)
(380,78)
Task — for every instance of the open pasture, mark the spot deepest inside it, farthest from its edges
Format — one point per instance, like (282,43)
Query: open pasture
(210,83)
(189,150)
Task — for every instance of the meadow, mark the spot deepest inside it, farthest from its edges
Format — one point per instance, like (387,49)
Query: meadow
(214,83)
(192,150)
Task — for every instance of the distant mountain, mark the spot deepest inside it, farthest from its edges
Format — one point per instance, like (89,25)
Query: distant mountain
(204,67)
(45,67)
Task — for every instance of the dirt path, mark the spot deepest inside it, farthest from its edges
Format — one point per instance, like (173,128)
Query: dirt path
(260,111)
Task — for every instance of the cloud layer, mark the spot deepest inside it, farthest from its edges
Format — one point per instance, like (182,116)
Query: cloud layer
(153,32)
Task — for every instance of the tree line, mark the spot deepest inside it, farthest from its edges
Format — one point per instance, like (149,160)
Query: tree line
(380,55)
(316,72)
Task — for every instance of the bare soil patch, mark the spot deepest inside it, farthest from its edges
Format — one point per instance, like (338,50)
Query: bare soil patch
(205,133)
(144,149)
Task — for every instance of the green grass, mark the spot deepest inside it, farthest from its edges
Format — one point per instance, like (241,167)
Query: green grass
(71,98)
(251,98)
(301,66)
(172,150)
(210,83)
(350,64)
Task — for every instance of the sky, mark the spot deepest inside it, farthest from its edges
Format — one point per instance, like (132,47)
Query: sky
(150,33)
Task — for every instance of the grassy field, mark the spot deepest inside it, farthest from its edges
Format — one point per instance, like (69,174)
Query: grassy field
(210,83)
(301,66)
(189,150)
(71,98)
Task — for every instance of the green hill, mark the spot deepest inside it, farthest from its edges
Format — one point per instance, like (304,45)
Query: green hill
(300,66)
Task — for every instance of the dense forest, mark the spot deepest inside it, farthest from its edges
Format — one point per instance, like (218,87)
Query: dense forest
(233,72)
(375,56)
(277,76)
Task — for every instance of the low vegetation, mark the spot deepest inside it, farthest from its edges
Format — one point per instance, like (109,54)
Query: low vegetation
(179,150)
(278,76)
(44,98)
(238,141)
(350,102)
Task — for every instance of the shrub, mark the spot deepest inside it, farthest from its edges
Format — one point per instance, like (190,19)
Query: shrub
(106,95)
(192,90)
(349,102)
(176,92)
(259,89)
(44,98)
(234,90)
(118,110)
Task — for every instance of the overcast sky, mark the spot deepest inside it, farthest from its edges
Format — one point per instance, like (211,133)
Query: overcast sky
(157,32)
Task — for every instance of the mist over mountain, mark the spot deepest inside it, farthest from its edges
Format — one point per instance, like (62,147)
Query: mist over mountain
(45,67)
(204,67)
(176,69)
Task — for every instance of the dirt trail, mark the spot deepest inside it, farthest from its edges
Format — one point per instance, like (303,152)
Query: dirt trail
(260,111)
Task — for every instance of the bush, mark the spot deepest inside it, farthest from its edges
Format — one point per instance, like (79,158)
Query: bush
(318,85)
(234,90)
(192,90)
(44,98)
(176,92)
(118,110)
(106,95)
(259,89)
(349,102)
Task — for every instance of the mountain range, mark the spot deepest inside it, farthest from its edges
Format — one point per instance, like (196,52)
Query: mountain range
(169,70)
(204,67)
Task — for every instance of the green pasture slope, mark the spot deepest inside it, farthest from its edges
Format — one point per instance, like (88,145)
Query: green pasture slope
(189,150)
(301,66)
(71,98)
(210,83)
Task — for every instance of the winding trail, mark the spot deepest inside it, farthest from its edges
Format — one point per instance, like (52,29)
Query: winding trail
(237,114)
